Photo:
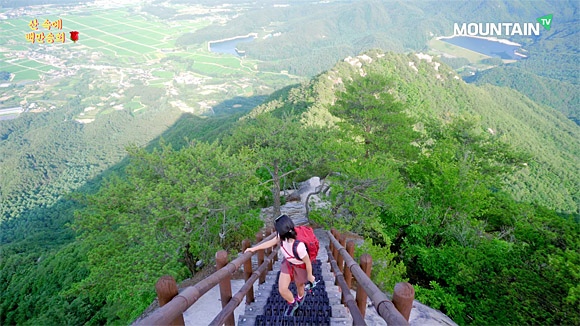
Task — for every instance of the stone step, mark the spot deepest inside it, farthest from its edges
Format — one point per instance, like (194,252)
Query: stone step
(262,297)
(272,277)
(251,321)
(340,321)
(328,279)
(339,311)
(255,310)
(259,303)
(267,288)
(246,320)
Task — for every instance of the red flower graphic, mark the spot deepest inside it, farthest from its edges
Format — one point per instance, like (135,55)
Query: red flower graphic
(74,36)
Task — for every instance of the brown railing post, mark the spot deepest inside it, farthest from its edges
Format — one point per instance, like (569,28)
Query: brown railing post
(366,262)
(166,289)
(339,260)
(274,231)
(269,250)
(221,260)
(335,249)
(259,238)
(403,296)
(248,271)
(333,232)
(347,272)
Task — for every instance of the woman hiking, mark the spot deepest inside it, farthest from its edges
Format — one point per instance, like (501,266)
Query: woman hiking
(294,268)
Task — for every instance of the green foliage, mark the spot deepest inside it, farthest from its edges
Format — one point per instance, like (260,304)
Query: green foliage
(561,95)
(282,146)
(387,270)
(377,119)
(548,178)
(463,167)
(173,209)
(470,248)
(364,193)
(455,63)
(440,299)
(22,274)
(492,61)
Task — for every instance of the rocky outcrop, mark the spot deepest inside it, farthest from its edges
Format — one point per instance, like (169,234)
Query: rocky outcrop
(307,187)
(427,316)
(295,210)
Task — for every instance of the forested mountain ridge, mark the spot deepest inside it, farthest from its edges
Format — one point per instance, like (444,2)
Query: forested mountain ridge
(432,90)
(310,38)
(480,254)
(420,161)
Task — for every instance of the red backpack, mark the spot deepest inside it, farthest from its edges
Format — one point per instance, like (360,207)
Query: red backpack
(306,235)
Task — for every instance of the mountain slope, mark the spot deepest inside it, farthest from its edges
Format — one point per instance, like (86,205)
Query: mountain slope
(433,90)
(561,95)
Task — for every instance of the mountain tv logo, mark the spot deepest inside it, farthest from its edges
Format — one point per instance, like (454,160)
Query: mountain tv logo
(546,21)
(502,29)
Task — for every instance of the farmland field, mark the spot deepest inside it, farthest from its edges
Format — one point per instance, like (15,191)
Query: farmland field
(115,32)
(118,50)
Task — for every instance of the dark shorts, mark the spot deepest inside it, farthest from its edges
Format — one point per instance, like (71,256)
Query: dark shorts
(300,275)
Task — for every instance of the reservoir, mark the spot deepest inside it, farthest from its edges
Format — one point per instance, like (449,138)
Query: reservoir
(487,47)
(10,113)
(229,46)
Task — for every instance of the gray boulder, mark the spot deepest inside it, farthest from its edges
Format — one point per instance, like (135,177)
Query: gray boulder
(309,186)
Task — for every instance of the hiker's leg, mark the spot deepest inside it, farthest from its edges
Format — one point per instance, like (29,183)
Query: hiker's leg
(283,284)
(300,289)
(300,278)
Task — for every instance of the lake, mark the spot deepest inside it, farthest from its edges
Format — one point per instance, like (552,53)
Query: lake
(487,47)
(229,46)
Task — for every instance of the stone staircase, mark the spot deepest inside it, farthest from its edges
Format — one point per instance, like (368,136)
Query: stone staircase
(339,314)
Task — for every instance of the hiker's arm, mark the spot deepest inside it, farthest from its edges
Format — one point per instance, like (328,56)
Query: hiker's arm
(306,261)
(270,243)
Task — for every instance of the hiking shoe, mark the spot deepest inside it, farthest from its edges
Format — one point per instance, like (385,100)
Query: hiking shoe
(301,300)
(291,309)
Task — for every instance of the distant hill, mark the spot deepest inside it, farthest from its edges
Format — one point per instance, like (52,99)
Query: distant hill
(314,36)
(561,95)
(433,89)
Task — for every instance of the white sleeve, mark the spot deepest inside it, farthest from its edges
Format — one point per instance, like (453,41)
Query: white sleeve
(301,250)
